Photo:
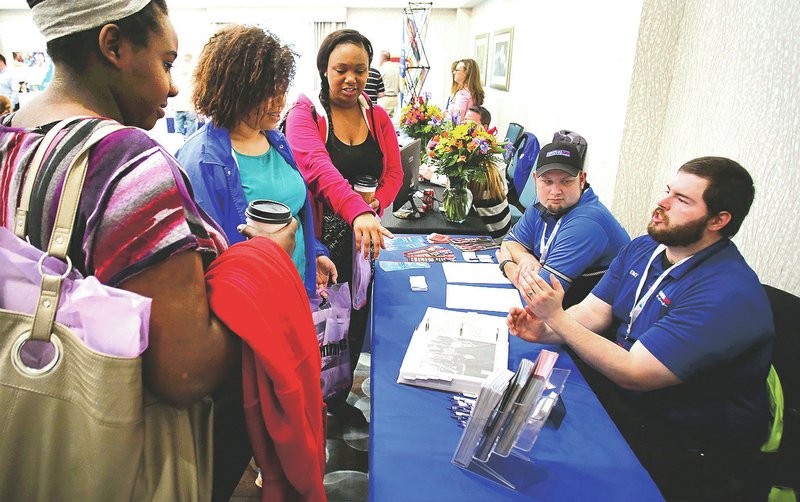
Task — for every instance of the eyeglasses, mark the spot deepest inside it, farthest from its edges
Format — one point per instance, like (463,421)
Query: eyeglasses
(458,70)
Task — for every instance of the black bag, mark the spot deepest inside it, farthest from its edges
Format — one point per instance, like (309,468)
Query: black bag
(565,136)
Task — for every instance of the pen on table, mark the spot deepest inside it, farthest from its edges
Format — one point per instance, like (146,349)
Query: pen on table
(466,409)
(462,399)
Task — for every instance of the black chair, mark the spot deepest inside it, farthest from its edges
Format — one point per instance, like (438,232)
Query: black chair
(786,360)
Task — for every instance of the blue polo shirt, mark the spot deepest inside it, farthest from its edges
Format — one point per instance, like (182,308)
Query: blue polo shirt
(587,240)
(710,323)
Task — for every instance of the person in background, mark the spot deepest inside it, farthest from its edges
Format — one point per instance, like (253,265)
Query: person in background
(466,90)
(185,116)
(239,156)
(336,139)
(374,87)
(5,105)
(684,373)
(8,86)
(390,73)
(490,202)
(479,115)
(142,230)
(482,116)
(568,232)
(489,197)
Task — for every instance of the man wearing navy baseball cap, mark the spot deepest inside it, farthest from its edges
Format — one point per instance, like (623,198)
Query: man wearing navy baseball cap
(567,232)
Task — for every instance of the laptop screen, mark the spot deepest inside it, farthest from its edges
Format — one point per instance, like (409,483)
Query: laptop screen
(410,159)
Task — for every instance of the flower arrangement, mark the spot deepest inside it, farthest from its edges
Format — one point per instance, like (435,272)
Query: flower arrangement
(463,151)
(421,119)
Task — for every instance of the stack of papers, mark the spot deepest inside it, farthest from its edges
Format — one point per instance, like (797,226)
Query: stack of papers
(455,351)
(418,283)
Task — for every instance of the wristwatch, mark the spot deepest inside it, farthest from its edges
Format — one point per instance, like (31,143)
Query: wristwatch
(503,267)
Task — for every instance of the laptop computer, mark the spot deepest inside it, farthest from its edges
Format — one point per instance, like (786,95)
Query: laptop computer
(410,160)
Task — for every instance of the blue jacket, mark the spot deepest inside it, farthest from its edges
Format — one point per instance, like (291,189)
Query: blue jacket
(207,157)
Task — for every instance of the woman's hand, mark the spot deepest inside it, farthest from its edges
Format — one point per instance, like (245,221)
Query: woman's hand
(369,232)
(326,272)
(375,205)
(285,237)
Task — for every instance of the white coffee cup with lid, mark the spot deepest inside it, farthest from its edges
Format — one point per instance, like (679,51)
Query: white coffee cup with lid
(268,215)
(365,186)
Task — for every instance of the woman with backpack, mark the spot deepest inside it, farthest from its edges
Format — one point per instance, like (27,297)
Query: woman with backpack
(336,139)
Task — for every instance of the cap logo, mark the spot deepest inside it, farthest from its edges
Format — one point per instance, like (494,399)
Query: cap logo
(563,153)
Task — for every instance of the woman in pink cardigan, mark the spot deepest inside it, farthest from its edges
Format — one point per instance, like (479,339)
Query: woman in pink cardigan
(466,90)
(336,139)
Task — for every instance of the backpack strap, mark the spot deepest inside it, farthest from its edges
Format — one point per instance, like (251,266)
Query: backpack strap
(46,307)
(21,220)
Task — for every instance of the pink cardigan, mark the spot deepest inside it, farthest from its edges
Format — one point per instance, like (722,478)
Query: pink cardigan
(460,104)
(307,133)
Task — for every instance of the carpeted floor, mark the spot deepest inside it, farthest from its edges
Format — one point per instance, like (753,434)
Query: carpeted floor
(346,474)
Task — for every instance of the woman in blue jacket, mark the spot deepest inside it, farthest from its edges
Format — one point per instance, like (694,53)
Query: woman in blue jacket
(240,82)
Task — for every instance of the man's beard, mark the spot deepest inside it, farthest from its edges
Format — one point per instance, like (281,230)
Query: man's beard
(677,235)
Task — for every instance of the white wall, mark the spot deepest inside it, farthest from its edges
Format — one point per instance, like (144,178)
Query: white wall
(720,78)
(18,33)
(570,69)
(384,28)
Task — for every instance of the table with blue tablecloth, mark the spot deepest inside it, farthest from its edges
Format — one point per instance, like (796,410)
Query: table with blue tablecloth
(413,437)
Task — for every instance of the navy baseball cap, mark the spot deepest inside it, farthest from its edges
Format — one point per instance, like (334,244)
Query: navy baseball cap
(562,156)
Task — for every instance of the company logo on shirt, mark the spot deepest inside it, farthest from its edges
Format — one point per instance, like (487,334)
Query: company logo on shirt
(634,273)
(563,153)
(663,299)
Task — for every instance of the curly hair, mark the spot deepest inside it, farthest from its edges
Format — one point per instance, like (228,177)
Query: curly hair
(331,42)
(239,68)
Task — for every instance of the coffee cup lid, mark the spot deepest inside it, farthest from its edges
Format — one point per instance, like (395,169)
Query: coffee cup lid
(268,211)
(366,180)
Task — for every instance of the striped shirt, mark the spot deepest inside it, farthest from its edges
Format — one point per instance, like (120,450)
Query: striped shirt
(374,85)
(495,215)
(136,208)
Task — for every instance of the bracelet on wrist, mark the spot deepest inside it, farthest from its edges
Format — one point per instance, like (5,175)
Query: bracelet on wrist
(503,267)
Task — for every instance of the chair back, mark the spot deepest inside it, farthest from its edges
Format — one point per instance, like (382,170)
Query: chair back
(786,314)
(513,135)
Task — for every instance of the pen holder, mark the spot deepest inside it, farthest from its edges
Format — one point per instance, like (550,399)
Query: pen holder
(500,459)
(541,411)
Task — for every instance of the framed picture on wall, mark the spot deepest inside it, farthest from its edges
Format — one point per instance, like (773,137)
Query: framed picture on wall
(500,60)
(482,55)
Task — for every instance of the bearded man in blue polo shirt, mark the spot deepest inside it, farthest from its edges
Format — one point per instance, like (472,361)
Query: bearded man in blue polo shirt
(568,232)
(684,376)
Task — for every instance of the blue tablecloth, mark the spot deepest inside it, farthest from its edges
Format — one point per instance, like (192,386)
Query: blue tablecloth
(413,437)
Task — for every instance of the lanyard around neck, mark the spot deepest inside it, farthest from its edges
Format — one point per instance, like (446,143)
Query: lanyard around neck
(544,246)
(640,303)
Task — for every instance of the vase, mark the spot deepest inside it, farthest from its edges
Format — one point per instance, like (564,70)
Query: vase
(456,201)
